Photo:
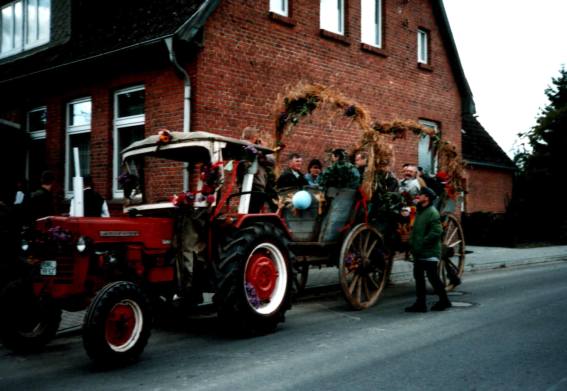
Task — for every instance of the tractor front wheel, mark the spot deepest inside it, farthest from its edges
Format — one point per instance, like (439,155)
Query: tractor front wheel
(254,280)
(117,324)
(28,322)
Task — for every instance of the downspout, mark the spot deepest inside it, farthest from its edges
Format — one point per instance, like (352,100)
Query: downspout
(186,99)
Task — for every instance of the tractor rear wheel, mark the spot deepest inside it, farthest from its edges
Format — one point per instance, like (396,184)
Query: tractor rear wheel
(28,322)
(254,280)
(117,324)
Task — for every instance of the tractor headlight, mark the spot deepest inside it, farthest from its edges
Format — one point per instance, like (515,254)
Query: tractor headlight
(81,244)
(25,246)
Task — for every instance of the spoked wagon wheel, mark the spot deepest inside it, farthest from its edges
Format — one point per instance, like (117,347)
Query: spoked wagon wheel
(117,324)
(363,266)
(254,279)
(452,265)
(28,322)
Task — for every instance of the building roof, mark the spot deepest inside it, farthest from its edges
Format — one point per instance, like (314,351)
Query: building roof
(104,27)
(480,149)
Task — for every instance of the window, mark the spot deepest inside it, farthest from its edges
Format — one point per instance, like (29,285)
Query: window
(426,153)
(371,22)
(280,7)
(24,24)
(78,135)
(332,16)
(36,124)
(422,46)
(129,121)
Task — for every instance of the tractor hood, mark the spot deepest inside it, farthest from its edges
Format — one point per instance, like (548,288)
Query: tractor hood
(152,233)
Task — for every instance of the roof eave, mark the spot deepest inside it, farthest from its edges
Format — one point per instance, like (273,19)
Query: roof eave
(468,105)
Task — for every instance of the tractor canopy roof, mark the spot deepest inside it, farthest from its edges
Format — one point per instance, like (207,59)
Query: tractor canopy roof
(182,146)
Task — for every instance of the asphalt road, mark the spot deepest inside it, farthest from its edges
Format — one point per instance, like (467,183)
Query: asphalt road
(508,331)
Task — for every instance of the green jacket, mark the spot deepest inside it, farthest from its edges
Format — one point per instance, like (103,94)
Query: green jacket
(425,237)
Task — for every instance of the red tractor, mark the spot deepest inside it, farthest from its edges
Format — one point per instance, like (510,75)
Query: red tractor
(120,269)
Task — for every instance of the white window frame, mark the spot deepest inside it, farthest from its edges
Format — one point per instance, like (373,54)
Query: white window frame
(327,9)
(422,46)
(280,7)
(70,131)
(425,141)
(21,32)
(118,123)
(371,20)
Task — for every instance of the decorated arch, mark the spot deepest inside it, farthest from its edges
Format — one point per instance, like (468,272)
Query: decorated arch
(304,99)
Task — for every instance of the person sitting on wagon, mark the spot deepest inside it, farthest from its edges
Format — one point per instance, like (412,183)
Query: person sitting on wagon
(292,175)
(313,172)
(341,174)
(361,161)
(409,184)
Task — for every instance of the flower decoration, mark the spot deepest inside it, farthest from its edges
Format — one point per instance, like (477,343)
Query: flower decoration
(211,179)
(164,136)
(58,234)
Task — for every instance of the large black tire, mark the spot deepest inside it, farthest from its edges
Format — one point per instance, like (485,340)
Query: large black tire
(254,286)
(28,322)
(117,324)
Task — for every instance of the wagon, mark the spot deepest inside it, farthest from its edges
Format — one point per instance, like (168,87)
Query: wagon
(336,231)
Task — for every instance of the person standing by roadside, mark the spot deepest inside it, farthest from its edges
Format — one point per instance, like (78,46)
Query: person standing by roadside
(41,200)
(93,203)
(425,246)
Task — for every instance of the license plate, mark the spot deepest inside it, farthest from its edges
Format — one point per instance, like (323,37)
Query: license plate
(48,268)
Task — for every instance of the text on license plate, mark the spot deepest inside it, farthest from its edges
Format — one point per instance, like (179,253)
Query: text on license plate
(48,268)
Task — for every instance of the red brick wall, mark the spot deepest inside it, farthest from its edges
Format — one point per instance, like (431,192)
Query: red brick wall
(249,59)
(489,190)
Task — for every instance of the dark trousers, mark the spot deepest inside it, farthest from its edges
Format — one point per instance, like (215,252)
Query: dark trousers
(420,269)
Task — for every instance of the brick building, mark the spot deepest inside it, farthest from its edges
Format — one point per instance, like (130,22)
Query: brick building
(98,75)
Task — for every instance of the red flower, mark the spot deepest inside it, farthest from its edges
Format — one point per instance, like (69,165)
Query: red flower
(164,136)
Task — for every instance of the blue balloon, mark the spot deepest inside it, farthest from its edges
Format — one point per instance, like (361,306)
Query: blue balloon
(301,200)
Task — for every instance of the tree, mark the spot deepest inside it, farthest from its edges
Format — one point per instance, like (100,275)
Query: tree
(541,177)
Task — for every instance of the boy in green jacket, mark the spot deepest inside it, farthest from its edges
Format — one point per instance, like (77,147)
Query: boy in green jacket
(425,246)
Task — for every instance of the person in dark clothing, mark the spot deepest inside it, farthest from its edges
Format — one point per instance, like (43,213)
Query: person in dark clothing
(425,245)
(292,176)
(41,200)
(93,203)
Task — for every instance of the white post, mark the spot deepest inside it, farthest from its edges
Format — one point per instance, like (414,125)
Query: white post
(247,186)
(78,205)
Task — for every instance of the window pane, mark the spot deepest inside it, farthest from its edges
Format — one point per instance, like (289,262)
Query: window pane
(371,23)
(130,103)
(331,15)
(425,154)
(32,21)
(7,28)
(37,120)
(279,7)
(83,142)
(44,17)
(422,46)
(18,25)
(80,113)
(127,136)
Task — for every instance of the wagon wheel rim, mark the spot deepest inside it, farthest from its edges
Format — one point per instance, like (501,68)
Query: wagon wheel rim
(363,266)
(453,252)
(123,325)
(265,282)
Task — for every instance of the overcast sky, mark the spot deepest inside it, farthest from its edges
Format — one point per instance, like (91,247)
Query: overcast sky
(510,50)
